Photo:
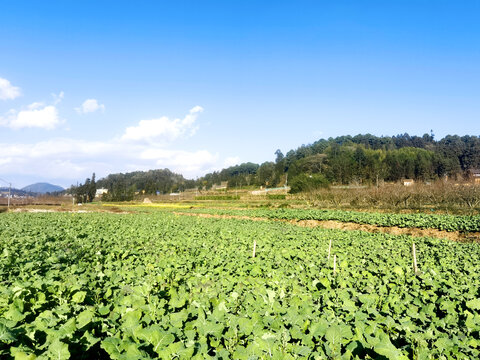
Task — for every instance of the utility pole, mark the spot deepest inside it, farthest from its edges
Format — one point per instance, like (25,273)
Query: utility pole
(9,191)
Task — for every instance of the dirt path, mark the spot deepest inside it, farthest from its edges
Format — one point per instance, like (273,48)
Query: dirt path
(330,224)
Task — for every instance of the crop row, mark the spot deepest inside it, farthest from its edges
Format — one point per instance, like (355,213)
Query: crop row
(139,286)
(422,221)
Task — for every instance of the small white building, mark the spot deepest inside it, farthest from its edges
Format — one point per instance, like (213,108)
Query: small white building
(475,175)
(100,192)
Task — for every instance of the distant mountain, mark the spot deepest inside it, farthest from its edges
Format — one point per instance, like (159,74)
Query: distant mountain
(42,188)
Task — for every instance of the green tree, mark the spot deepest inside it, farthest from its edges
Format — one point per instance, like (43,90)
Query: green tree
(84,193)
(265,174)
(307,182)
(91,189)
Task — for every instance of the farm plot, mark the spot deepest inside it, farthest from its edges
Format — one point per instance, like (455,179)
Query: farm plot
(423,221)
(136,286)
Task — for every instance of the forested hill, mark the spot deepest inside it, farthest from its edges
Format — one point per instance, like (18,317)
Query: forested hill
(122,186)
(360,159)
(152,181)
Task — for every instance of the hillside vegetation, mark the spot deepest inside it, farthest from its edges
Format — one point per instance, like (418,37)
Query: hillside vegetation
(361,159)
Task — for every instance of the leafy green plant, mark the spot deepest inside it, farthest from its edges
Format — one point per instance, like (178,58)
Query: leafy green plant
(158,285)
(308,182)
(420,220)
(276,196)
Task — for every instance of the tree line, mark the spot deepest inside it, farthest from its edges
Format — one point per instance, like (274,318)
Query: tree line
(124,186)
(361,159)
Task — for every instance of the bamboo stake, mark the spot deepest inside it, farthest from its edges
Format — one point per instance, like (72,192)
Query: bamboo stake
(334,264)
(254,247)
(414,254)
(329,249)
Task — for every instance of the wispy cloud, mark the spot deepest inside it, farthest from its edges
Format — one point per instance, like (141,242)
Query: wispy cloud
(8,91)
(163,128)
(90,106)
(58,98)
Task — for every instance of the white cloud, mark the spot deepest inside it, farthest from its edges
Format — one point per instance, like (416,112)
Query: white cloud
(196,109)
(185,162)
(36,105)
(58,158)
(8,91)
(163,128)
(73,159)
(90,106)
(37,115)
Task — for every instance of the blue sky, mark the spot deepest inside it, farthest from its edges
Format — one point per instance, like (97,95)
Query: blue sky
(111,86)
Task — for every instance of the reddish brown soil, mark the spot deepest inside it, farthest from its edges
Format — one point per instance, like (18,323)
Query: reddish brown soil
(70,210)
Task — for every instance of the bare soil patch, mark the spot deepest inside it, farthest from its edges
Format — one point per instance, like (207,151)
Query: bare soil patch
(239,217)
(69,210)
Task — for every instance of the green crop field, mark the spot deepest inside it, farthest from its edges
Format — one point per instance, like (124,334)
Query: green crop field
(159,285)
(418,220)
